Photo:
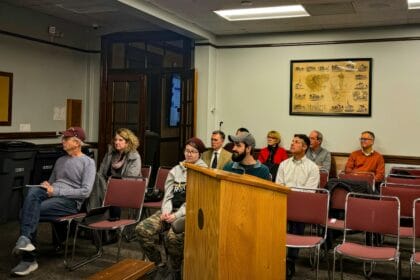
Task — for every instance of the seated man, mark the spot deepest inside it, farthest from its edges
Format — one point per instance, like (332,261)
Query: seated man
(242,160)
(229,146)
(173,208)
(70,183)
(217,156)
(318,154)
(366,159)
(297,172)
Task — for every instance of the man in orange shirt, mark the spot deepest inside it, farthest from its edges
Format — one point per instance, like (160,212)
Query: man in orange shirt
(367,159)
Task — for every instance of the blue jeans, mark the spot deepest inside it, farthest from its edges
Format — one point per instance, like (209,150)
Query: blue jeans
(38,206)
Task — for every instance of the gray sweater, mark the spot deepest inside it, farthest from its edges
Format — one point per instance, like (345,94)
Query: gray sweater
(73,177)
(178,174)
(131,167)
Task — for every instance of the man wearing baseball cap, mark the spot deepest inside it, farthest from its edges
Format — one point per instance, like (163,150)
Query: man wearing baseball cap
(242,160)
(70,184)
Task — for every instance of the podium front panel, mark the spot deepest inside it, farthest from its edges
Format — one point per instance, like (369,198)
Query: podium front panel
(234,230)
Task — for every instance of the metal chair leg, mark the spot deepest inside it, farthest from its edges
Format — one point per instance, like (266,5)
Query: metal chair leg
(98,243)
(67,243)
(368,273)
(318,249)
(333,269)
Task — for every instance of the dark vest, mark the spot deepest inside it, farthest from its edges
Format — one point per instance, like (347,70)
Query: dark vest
(180,192)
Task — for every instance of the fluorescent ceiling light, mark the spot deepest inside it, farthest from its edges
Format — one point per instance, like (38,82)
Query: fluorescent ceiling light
(263,13)
(413,4)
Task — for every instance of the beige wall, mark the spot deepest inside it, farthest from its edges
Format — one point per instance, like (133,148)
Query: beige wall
(251,88)
(45,75)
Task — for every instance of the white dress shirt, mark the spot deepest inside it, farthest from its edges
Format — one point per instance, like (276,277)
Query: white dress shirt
(302,173)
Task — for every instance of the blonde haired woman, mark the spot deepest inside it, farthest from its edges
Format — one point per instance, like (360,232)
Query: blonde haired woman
(122,159)
(273,154)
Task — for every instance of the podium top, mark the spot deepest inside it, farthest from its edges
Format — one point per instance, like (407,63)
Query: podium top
(239,178)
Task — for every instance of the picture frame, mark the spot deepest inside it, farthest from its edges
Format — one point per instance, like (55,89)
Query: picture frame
(6,89)
(331,87)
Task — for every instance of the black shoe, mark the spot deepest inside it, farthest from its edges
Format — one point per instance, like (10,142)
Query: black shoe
(290,269)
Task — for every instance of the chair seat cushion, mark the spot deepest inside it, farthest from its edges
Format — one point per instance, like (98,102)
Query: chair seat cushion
(105,224)
(293,240)
(367,252)
(335,224)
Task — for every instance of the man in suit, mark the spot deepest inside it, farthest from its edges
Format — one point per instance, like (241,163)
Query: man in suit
(217,157)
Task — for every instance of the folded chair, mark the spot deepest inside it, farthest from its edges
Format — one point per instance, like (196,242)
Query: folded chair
(123,193)
(309,206)
(375,214)
(415,256)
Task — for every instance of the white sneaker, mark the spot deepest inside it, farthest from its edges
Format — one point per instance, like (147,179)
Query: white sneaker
(25,268)
(23,244)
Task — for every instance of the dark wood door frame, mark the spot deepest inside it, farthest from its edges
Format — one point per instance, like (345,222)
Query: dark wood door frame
(106,113)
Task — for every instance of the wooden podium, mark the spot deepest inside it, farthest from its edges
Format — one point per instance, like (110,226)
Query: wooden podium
(235,226)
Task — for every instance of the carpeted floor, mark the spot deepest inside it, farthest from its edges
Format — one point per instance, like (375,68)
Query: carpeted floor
(51,262)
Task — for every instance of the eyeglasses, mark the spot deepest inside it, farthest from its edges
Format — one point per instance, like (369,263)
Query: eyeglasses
(191,152)
(365,139)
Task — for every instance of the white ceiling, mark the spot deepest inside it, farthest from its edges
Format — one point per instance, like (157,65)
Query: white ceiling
(113,16)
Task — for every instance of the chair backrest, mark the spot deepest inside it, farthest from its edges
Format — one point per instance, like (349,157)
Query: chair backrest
(323,177)
(146,171)
(308,206)
(161,176)
(125,193)
(338,198)
(372,213)
(405,193)
(405,170)
(401,179)
(368,177)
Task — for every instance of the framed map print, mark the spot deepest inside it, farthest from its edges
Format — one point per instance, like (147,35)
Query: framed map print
(331,87)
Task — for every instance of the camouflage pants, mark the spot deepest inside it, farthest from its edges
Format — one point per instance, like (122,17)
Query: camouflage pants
(148,231)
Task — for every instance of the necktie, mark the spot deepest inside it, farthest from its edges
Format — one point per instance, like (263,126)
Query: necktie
(214,163)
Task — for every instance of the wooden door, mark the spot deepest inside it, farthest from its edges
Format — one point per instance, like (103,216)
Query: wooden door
(125,107)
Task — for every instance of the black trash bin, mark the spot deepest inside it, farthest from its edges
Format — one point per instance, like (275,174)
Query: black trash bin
(16,165)
(44,163)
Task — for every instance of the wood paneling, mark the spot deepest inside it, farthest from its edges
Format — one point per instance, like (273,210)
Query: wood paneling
(244,226)
(127,269)
(74,113)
